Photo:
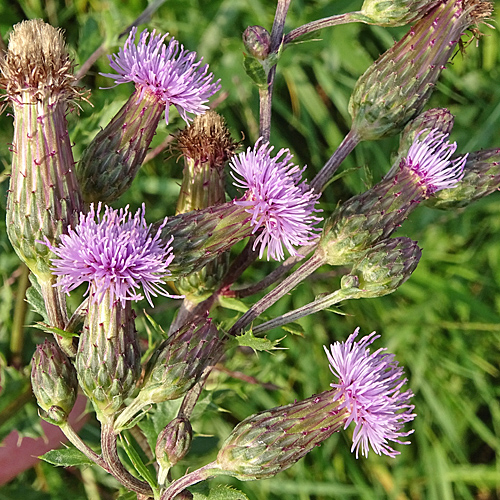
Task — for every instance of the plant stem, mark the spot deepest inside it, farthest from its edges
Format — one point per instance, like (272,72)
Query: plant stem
(77,442)
(351,140)
(312,307)
(318,25)
(283,288)
(12,408)
(194,477)
(272,277)
(266,94)
(19,320)
(110,455)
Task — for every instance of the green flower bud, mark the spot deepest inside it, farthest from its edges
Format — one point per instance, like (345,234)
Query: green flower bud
(384,268)
(44,197)
(176,366)
(481,178)
(173,444)
(179,361)
(108,358)
(111,161)
(393,12)
(54,383)
(397,86)
(257,41)
(271,441)
(201,236)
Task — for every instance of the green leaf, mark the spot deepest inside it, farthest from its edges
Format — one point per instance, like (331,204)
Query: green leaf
(255,70)
(66,457)
(137,462)
(221,492)
(256,343)
(34,298)
(56,331)
(233,304)
(294,329)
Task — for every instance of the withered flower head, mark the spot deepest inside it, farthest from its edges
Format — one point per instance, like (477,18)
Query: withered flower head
(207,139)
(37,62)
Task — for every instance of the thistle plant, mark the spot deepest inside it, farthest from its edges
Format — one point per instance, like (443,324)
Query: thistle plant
(239,201)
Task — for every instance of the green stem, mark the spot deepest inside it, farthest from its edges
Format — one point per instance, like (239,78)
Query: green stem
(19,320)
(11,409)
(77,442)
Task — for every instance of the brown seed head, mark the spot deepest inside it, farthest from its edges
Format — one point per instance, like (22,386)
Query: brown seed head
(37,62)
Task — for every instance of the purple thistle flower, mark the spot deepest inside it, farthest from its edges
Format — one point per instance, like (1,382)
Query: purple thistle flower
(116,253)
(280,202)
(430,160)
(166,71)
(369,388)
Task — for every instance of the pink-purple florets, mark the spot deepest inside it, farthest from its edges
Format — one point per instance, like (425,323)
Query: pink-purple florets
(114,252)
(369,388)
(430,159)
(167,71)
(280,202)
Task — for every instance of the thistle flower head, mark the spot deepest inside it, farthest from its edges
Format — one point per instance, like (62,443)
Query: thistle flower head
(280,202)
(370,389)
(430,160)
(115,253)
(167,71)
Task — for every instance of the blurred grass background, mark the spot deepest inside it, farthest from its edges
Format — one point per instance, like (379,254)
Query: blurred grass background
(443,324)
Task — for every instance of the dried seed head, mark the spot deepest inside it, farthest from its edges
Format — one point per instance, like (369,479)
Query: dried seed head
(37,61)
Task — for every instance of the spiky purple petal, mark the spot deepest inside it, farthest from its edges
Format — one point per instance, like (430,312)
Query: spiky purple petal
(280,202)
(113,252)
(430,160)
(166,71)
(370,389)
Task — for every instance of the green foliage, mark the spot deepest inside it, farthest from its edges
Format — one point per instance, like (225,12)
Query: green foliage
(66,457)
(443,324)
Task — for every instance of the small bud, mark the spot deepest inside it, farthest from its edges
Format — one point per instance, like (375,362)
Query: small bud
(481,178)
(179,361)
(53,378)
(257,41)
(384,268)
(108,357)
(393,12)
(397,86)
(176,366)
(173,444)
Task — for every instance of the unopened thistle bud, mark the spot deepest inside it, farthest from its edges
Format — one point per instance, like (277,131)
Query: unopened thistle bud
(54,383)
(368,393)
(163,75)
(173,444)
(384,268)
(176,366)
(397,86)
(373,216)
(393,12)
(257,41)
(481,178)
(206,147)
